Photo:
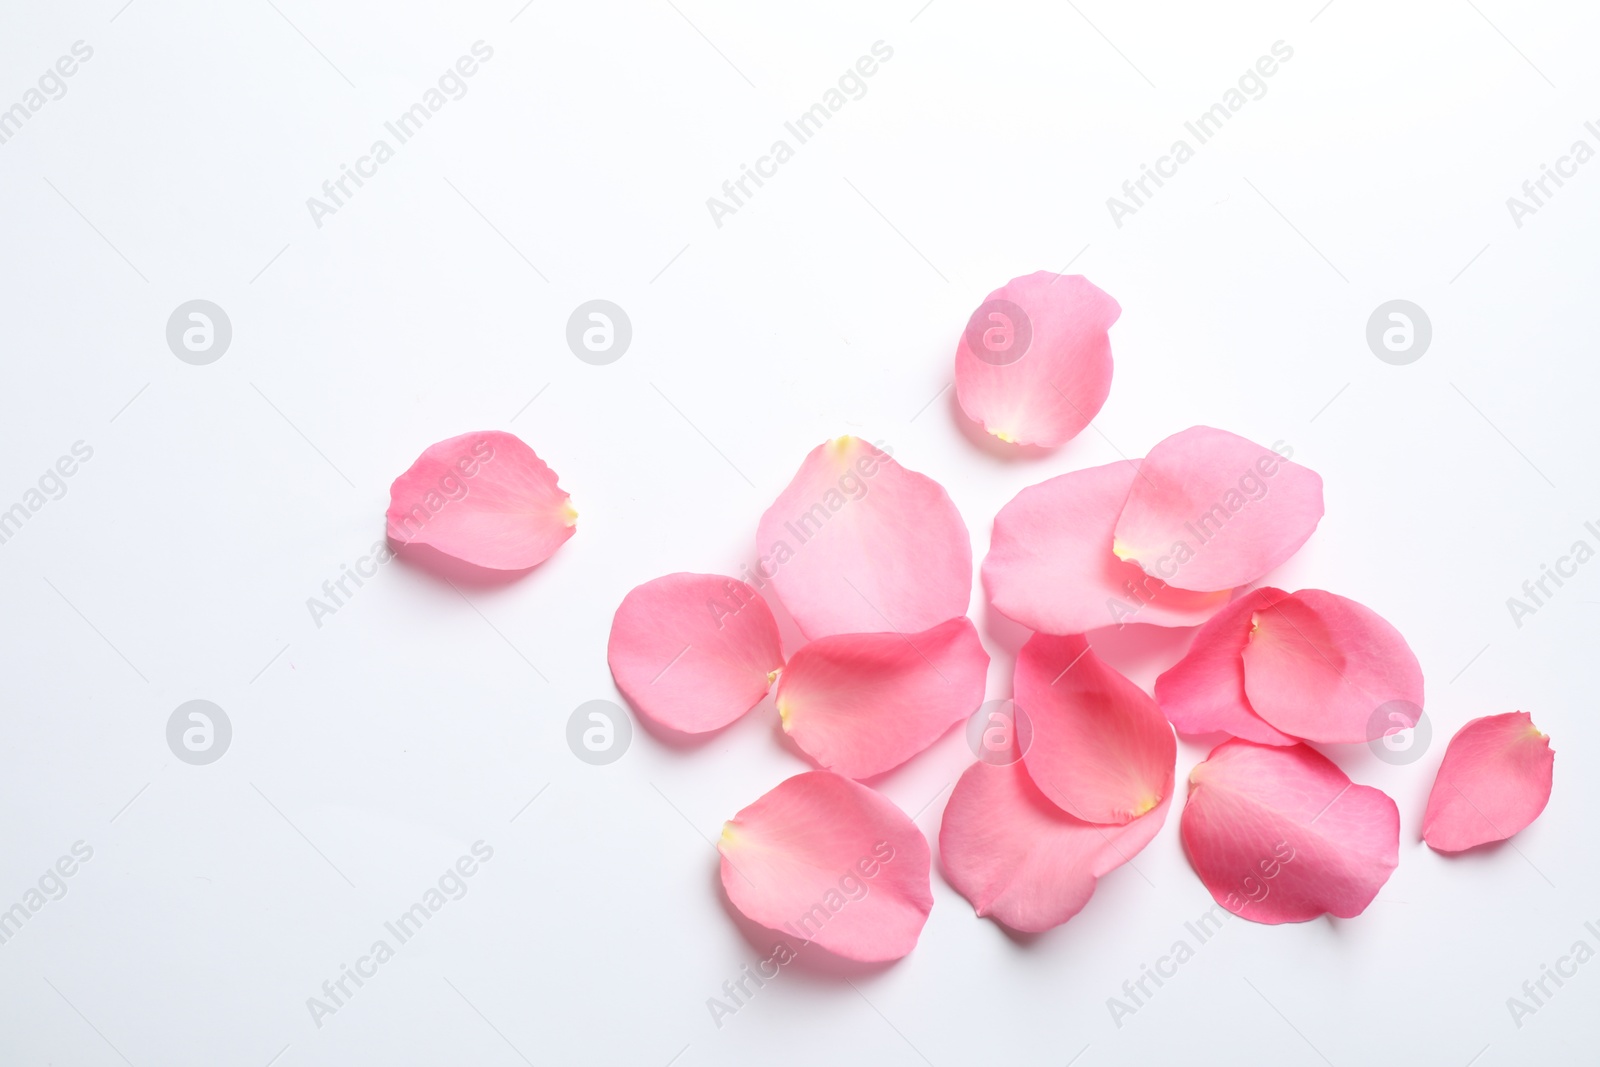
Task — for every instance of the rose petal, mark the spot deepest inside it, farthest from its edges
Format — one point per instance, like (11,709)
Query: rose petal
(1280,835)
(1207,514)
(1495,780)
(694,652)
(1205,691)
(1033,365)
(1020,859)
(858,544)
(484,498)
(1050,565)
(1318,666)
(860,704)
(1101,749)
(829,861)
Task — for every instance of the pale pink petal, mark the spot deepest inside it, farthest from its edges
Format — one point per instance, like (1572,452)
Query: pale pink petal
(693,652)
(484,498)
(826,860)
(1280,835)
(1495,780)
(1033,365)
(1020,859)
(1318,666)
(1050,566)
(1205,692)
(858,544)
(1101,750)
(1214,511)
(860,704)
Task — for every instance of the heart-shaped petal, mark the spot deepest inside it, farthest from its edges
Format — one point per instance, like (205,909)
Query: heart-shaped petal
(1205,691)
(860,704)
(858,544)
(693,652)
(1494,781)
(1033,365)
(1280,835)
(830,861)
(1050,566)
(1212,510)
(484,498)
(1022,860)
(1101,751)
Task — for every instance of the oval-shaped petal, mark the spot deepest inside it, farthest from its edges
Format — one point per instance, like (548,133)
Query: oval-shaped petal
(693,652)
(1494,781)
(1214,511)
(1033,365)
(484,498)
(1101,751)
(1050,566)
(860,704)
(1318,666)
(1280,835)
(829,861)
(858,544)
(1205,692)
(1020,859)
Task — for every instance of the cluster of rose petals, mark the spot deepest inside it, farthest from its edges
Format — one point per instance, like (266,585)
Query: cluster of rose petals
(484,498)
(1494,781)
(874,564)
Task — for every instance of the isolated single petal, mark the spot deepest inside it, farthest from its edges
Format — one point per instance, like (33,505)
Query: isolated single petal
(1318,666)
(1020,859)
(1495,780)
(1214,511)
(1033,365)
(1101,750)
(1050,566)
(860,704)
(826,860)
(858,544)
(1204,691)
(484,498)
(1280,835)
(693,652)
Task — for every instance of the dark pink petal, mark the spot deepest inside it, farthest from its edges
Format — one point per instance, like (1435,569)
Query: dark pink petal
(1020,859)
(1280,835)
(484,498)
(859,544)
(1495,780)
(1205,692)
(1033,365)
(860,704)
(1102,752)
(1050,565)
(693,652)
(1214,511)
(829,861)
(1318,666)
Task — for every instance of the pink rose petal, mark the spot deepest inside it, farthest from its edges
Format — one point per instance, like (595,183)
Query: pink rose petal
(1050,566)
(1205,691)
(829,861)
(484,498)
(1101,751)
(1494,781)
(1214,511)
(860,704)
(693,652)
(1020,859)
(1280,835)
(859,544)
(1033,365)
(1318,666)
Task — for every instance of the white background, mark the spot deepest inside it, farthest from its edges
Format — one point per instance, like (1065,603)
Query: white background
(370,753)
